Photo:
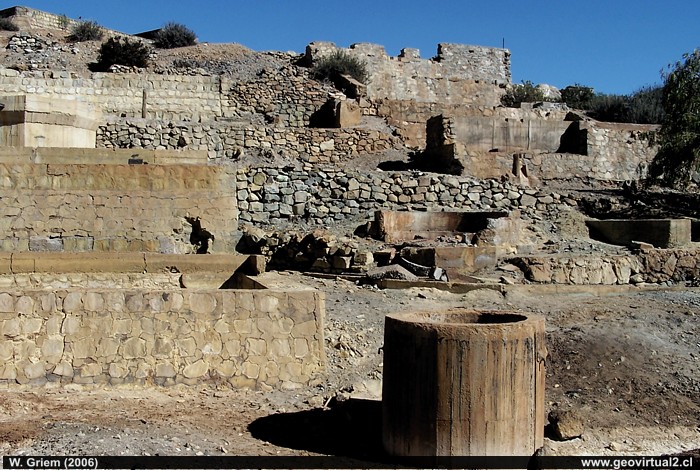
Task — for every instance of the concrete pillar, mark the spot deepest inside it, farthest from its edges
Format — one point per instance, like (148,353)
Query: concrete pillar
(464,383)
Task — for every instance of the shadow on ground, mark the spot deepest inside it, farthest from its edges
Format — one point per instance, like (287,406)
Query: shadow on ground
(349,429)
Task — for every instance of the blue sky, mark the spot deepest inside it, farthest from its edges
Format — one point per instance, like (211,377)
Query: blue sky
(615,46)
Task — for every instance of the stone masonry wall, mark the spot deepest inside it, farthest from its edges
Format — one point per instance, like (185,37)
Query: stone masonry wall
(325,196)
(261,339)
(226,140)
(621,151)
(653,266)
(66,207)
(459,74)
(286,97)
(36,18)
(180,97)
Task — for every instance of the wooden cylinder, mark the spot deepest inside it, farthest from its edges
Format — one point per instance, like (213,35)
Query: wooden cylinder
(463,382)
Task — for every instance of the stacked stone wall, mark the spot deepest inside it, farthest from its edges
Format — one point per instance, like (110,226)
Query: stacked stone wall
(325,196)
(260,339)
(667,266)
(622,151)
(113,207)
(226,140)
(290,102)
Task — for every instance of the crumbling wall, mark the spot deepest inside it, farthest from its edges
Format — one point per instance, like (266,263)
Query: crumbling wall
(83,207)
(459,74)
(286,97)
(259,339)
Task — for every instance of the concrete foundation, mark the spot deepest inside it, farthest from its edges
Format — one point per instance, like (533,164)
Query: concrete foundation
(38,121)
(662,233)
(459,261)
(489,228)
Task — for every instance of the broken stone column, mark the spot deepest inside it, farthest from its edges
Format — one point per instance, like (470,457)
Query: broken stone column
(463,383)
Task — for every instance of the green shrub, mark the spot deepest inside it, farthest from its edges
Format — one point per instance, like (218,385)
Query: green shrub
(174,35)
(644,106)
(6,24)
(523,93)
(86,31)
(577,96)
(340,62)
(677,164)
(122,51)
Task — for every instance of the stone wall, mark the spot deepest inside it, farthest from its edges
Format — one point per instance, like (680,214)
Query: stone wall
(28,17)
(180,97)
(451,78)
(483,145)
(227,140)
(653,266)
(621,151)
(285,97)
(325,196)
(84,207)
(260,339)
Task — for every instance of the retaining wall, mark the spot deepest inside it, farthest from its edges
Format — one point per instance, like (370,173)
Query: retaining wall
(653,266)
(226,140)
(181,97)
(94,207)
(327,195)
(259,339)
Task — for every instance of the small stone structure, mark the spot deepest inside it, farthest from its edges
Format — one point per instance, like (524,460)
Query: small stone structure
(38,121)
(397,226)
(463,383)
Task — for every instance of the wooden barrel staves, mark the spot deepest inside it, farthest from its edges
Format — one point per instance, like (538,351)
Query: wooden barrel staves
(463,383)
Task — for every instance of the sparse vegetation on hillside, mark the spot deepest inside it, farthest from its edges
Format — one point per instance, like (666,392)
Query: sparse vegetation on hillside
(641,107)
(526,92)
(6,24)
(174,35)
(339,63)
(677,163)
(86,31)
(122,51)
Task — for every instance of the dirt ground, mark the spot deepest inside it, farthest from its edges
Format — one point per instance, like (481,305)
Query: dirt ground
(628,363)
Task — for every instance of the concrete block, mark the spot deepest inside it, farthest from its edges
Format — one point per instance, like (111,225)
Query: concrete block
(662,233)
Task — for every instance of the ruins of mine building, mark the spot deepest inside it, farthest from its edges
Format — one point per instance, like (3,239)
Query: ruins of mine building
(112,181)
